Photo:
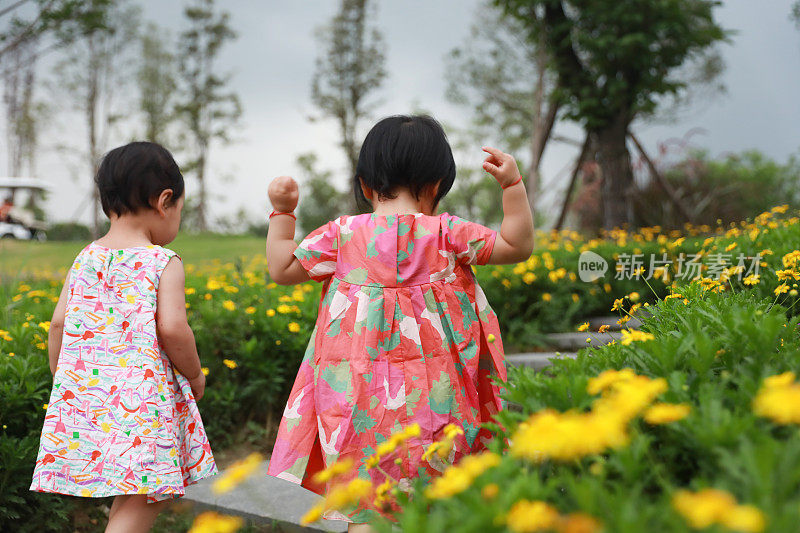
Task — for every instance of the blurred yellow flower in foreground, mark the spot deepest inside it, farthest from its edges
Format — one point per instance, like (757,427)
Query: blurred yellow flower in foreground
(664,413)
(634,335)
(713,506)
(779,399)
(457,478)
(526,516)
(229,363)
(213,522)
(236,473)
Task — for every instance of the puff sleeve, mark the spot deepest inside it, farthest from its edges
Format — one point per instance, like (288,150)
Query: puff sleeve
(319,250)
(472,243)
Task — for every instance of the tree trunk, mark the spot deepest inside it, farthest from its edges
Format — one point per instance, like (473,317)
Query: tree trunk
(615,167)
(91,118)
(202,223)
(571,185)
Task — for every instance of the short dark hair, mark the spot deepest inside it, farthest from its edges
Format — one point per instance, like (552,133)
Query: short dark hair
(405,151)
(130,176)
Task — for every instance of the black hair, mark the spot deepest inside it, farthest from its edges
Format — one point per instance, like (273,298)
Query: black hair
(408,151)
(131,176)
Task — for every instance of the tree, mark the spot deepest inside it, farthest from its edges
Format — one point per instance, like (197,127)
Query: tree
(503,77)
(64,20)
(91,77)
(157,83)
(614,62)
(349,71)
(321,200)
(208,111)
(22,111)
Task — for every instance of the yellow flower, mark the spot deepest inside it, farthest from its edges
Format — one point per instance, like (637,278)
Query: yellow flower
(529,277)
(583,327)
(603,328)
(313,514)
(270,312)
(457,478)
(189,290)
(747,518)
(752,279)
(526,516)
(617,304)
(229,305)
(546,297)
(779,399)
(284,309)
(629,336)
(780,289)
(294,327)
(205,370)
(713,506)
(579,523)
(490,491)
(781,380)
(213,522)
(236,473)
(664,413)
(213,284)
(250,310)
(45,325)
(336,469)
(490,337)
(607,378)
(634,296)
(229,363)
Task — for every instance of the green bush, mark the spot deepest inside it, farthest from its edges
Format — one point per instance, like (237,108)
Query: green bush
(69,231)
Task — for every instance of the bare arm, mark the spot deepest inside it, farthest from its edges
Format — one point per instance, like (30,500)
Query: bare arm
(514,243)
(284,268)
(174,333)
(56,331)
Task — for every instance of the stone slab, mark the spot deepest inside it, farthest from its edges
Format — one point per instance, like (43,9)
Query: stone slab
(264,499)
(536,360)
(574,341)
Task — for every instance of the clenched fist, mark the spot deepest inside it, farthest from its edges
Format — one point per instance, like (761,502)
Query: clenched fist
(284,194)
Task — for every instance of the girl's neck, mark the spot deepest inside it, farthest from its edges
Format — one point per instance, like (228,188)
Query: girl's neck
(127,231)
(403,203)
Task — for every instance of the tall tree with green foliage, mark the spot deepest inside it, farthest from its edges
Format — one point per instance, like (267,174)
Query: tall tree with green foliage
(614,61)
(157,83)
(207,108)
(503,78)
(350,69)
(91,77)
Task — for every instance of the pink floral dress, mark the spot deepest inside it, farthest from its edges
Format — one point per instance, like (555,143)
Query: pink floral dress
(404,335)
(120,419)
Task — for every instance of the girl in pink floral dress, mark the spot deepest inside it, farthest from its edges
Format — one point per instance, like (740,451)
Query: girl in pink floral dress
(404,333)
(122,419)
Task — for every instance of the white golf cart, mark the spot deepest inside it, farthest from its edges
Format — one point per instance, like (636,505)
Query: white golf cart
(17,222)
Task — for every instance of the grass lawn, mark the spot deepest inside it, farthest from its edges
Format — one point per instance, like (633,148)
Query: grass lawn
(23,258)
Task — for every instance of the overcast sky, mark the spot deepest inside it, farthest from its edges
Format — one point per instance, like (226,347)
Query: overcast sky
(273,60)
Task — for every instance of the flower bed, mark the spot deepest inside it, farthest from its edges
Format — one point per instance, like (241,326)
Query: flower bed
(251,334)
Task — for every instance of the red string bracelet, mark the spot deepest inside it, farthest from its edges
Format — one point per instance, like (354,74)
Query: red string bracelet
(275,213)
(512,184)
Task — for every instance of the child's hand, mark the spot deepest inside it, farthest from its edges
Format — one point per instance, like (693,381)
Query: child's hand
(501,165)
(198,385)
(283,194)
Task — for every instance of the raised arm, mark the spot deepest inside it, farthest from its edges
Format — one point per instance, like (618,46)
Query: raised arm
(174,333)
(56,331)
(284,268)
(514,243)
